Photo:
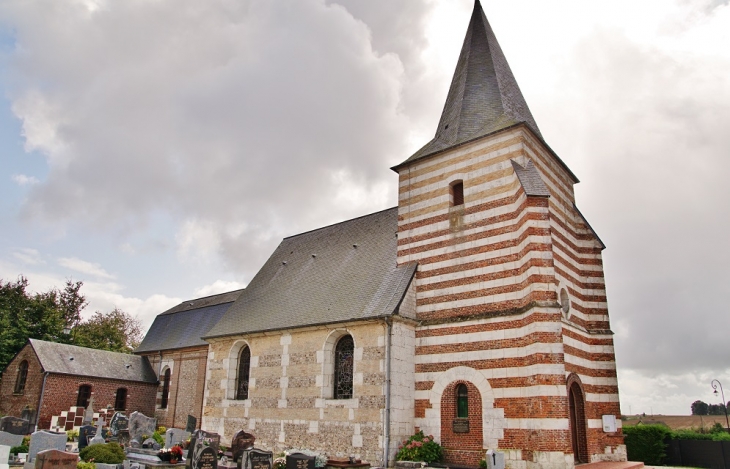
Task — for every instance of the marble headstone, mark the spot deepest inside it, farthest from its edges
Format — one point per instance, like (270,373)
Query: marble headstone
(199,442)
(54,459)
(118,423)
(9,439)
(139,425)
(86,432)
(89,413)
(174,436)
(242,440)
(4,455)
(207,458)
(256,459)
(43,440)
(99,437)
(15,425)
(299,461)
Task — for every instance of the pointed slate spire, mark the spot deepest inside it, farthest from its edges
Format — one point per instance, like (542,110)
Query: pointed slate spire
(484,96)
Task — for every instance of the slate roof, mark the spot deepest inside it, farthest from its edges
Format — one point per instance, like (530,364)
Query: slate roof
(530,179)
(339,273)
(484,96)
(82,361)
(184,325)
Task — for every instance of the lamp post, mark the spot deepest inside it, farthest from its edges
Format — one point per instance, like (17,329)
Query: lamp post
(724,403)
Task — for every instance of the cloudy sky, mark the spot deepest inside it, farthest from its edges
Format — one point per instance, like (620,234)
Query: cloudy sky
(158,150)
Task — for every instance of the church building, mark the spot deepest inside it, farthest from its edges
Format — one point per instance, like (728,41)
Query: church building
(474,311)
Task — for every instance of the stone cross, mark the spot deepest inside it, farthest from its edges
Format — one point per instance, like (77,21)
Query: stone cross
(99,437)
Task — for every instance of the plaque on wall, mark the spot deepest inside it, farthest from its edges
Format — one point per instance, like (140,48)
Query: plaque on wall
(461,426)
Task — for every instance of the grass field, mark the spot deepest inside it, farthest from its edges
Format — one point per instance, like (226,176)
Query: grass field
(677,422)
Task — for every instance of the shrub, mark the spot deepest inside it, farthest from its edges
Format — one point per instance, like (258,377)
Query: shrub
(19,449)
(645,443)
(695,435)
(71,434)
(85,465)
(107,453)
(157,436)
(419,447)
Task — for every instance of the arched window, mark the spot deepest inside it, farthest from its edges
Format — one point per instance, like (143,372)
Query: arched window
(462,401)
(22,376)
(165,389)
(457,193)
(244,369)
(82,400)
(344,360)
(120,402)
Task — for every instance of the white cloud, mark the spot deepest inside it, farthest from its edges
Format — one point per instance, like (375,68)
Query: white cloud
(84,267)
(219,286)
(28,256)
(23,180)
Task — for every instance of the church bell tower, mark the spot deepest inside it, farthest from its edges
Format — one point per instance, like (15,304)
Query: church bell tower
(514,350)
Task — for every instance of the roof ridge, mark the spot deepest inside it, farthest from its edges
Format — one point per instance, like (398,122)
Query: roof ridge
(214,295)
(339,223)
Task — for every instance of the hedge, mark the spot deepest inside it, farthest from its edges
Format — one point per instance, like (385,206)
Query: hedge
(646,443)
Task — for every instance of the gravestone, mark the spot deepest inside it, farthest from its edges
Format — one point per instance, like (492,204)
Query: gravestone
(9,439)
(192,424)
(4,456)
(200,442)
(28,414)
(15,425)
(119,422)
(207,458)
(174,436)
(89,413)
(54,459)
(495,459)
(86,433)
(43,440)
(241,441)
(140,424)
(299,461)
(151,443)
(256,459)
(99,437)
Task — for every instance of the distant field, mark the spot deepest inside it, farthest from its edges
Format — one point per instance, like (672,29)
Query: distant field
(677,422)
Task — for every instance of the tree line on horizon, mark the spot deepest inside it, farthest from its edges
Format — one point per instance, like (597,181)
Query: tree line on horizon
(702,408)
(55,316)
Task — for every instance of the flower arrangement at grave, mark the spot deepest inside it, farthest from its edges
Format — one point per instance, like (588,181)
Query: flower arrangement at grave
(280,462)
(419,447)
(172,455)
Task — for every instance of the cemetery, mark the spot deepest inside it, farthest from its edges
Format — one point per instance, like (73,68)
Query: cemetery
(136,442)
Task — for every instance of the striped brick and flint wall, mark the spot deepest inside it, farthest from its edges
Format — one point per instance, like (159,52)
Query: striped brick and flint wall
(488,288)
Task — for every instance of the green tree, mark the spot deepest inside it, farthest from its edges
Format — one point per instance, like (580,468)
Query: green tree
(116,331)
(700,408)
(26,316)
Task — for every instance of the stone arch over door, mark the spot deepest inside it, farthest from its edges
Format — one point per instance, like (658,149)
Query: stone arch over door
(577,419)
(493,421)
(461,435)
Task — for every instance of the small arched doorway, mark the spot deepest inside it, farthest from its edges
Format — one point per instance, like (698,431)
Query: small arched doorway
(578,428)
